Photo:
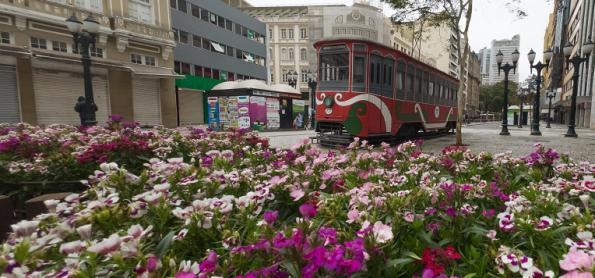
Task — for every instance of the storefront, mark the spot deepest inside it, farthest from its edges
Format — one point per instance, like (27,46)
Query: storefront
(191,101)
(254,104)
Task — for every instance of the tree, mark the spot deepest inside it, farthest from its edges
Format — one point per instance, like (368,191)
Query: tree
(456,14)
(491,97)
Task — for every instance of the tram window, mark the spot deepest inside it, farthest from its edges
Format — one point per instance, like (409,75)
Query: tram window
(409,84)
(387,82)
(418,91)
(334,68)
(400,80)
(359,71)
(375,74)
(424,87)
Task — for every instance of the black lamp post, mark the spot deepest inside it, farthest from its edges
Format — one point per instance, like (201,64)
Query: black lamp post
(523,93)
(292,78)
(312,82)
(549,94)
(576,61)
(547,56)
(83,35)
(506,68)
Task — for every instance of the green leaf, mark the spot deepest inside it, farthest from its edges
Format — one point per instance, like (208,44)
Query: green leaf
(164,244)
(470,275)
(413,255)
(291,268)
(398,262)
(21,252)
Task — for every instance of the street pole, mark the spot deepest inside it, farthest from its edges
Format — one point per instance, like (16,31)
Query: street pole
(506,68)
(547,55)
(550,95)
(576,63)
(83,40)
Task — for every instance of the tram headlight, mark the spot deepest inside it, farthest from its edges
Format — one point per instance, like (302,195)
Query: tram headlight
(328,102)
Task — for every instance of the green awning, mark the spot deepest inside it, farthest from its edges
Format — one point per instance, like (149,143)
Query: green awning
(197,83)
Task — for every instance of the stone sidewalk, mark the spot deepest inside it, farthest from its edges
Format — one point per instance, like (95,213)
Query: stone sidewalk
(485,137)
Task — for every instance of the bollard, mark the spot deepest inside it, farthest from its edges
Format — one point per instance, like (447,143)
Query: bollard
(35,206)
(6,216)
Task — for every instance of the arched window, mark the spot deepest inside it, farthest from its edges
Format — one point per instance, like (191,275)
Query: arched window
(303,54)
(291,54)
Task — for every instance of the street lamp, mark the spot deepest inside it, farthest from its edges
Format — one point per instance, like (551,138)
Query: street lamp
(523,93)
(83,35)
(292,78)
(576,61)
(547,56)
(312,82)
(506,68)
(550,94)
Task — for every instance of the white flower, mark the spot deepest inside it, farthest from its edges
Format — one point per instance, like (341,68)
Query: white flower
(491,234)
(382,233)
(107,245)
(84,231)
(51,205)
(72,247)
(584,236)
(162,187)
(25,228)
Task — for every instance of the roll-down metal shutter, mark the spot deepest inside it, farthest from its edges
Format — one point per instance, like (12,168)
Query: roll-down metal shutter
(191,107)
(9,99)
(145,100)
(56,94)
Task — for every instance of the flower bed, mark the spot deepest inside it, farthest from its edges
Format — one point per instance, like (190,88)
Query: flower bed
(231,206)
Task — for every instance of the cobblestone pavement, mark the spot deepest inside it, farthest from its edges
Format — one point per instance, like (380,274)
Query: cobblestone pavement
(484,137)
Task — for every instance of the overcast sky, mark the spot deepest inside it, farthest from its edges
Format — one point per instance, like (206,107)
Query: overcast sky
(491,20)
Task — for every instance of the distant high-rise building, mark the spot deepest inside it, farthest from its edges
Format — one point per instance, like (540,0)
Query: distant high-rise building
(507,47)
(485,59)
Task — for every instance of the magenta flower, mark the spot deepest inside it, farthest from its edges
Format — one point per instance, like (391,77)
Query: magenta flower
(186,274)
(209,264)
(270,216)
(308,210)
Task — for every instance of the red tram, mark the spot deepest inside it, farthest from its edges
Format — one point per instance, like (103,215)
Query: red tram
(372,91)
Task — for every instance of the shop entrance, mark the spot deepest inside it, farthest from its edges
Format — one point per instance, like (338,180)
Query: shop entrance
(285,112)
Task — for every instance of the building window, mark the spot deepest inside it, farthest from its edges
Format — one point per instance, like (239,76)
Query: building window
(206,44)
(185,68)
(284,33)
(176,36)
(207,72)
(284,77)
(59,46)
(221,21)
(196,41)
(204,15)
(215,74)
(290,33)
(304,77)
(96,52)
(239,54)
(141,10)
(91,5)
(136,59)
(173,4)
(38,43)
(177,66)
(228,25)
(198,71)
(5,37)
(271,54)
(182,6)
(238,29)
(284,54)
(195,10)
(229,51)
(213,18)
(149,60)
(183,36)
(291,54)
(303,54)
(303,33)
(271,34)
(244,31)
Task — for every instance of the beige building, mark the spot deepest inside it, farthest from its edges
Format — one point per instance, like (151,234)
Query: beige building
(439,46)
(131,65)
(292,31)
(472,85)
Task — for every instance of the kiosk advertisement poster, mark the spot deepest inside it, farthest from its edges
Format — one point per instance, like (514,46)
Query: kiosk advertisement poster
(244,112)
(223,113)
(258,110)
(273,118)
(298,107)
(213,112)
(232,110)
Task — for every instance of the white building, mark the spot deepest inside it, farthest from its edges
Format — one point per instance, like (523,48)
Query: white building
(485,58)
(507,47)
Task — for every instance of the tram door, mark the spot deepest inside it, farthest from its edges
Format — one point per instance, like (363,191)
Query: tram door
(285,112)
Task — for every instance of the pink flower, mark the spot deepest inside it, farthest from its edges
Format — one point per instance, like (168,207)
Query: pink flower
(107,245)
(270,216)
(575,260)
(186,274)
(352,216)
(308,210)
(382,233)
(576,274)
